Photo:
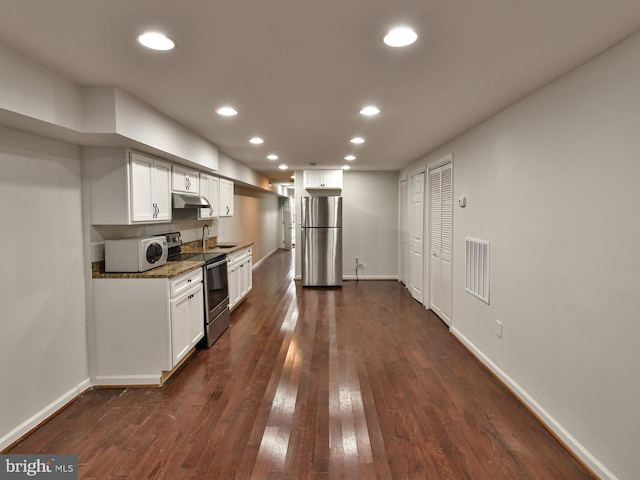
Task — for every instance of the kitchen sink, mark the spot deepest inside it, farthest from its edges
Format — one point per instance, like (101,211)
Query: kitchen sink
(226,245)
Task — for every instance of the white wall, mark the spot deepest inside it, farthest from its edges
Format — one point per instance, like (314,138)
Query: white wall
(552,183)
(36,92)
(38,100)
(369,224)
(43,345)
(255,220)
(238,172)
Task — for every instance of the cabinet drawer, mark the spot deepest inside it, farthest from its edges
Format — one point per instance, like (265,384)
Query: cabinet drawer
(238,257)
(183,282)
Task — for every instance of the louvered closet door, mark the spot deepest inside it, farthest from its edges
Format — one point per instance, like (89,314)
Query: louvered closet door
(440,240)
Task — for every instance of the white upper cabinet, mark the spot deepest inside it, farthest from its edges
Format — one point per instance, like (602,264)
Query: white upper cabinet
(185,180)
(226,198)
(323,179)
(209,189)
(127,187)
(149,188)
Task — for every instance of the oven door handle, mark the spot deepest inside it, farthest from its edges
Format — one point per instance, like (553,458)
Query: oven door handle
(217,264)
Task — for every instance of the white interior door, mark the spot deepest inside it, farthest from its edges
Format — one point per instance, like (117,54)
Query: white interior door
(416,237)
(287,226)
(404,237)
(440,240)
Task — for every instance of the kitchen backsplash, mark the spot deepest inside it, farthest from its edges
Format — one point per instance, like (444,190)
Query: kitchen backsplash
(189,228)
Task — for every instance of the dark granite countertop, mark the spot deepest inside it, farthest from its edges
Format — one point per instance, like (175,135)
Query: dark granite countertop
(173,269)
(169,270)
(211,247)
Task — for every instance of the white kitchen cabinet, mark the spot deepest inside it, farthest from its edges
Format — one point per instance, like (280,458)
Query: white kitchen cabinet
(239,271)
(187,320)
(226,198)
(209,189)
(127,187)
(247,283)
(185,180)
(144,327)
(149,188)
(323,179)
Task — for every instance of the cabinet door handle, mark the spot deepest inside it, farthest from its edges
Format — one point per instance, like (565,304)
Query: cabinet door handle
(227,210)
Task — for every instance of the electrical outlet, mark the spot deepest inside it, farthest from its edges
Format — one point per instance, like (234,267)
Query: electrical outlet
(498,329)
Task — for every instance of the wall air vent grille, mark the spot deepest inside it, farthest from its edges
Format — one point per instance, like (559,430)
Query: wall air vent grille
(477,262)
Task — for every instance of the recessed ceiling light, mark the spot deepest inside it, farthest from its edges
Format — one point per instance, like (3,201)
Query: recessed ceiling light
(350,158)
(226,111)
(357,140)
(400,37)
(370,111)
(156,41)
(283,167)
(256,140)
(272,156)
(346,167)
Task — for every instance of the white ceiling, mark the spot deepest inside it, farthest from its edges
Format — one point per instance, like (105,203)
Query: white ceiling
(299,71)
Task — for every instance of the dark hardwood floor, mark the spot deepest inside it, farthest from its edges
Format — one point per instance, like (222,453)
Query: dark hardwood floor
(357,382)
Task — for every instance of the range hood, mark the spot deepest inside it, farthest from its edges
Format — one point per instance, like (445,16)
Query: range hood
(182,200)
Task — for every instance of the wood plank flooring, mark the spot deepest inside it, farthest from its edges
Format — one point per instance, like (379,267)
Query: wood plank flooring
(358,382)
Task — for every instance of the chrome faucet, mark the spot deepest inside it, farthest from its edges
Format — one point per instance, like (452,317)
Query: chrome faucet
(204,238)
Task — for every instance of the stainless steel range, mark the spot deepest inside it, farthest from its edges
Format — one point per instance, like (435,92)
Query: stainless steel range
(216,287)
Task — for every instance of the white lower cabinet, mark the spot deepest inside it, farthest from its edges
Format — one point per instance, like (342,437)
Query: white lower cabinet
(239,268)
(144,327)
(187,322)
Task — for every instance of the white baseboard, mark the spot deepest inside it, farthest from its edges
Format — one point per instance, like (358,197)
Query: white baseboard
(370,277)
(122,380)
(259,262)
(361,277)
(551,423)
(84,386)
(35,420)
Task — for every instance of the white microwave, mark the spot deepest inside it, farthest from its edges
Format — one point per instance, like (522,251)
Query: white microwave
(135,254)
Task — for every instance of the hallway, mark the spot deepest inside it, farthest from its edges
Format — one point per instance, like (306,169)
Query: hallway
(357,382)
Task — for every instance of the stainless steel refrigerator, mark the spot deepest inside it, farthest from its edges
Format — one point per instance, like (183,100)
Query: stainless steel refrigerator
(321,221)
